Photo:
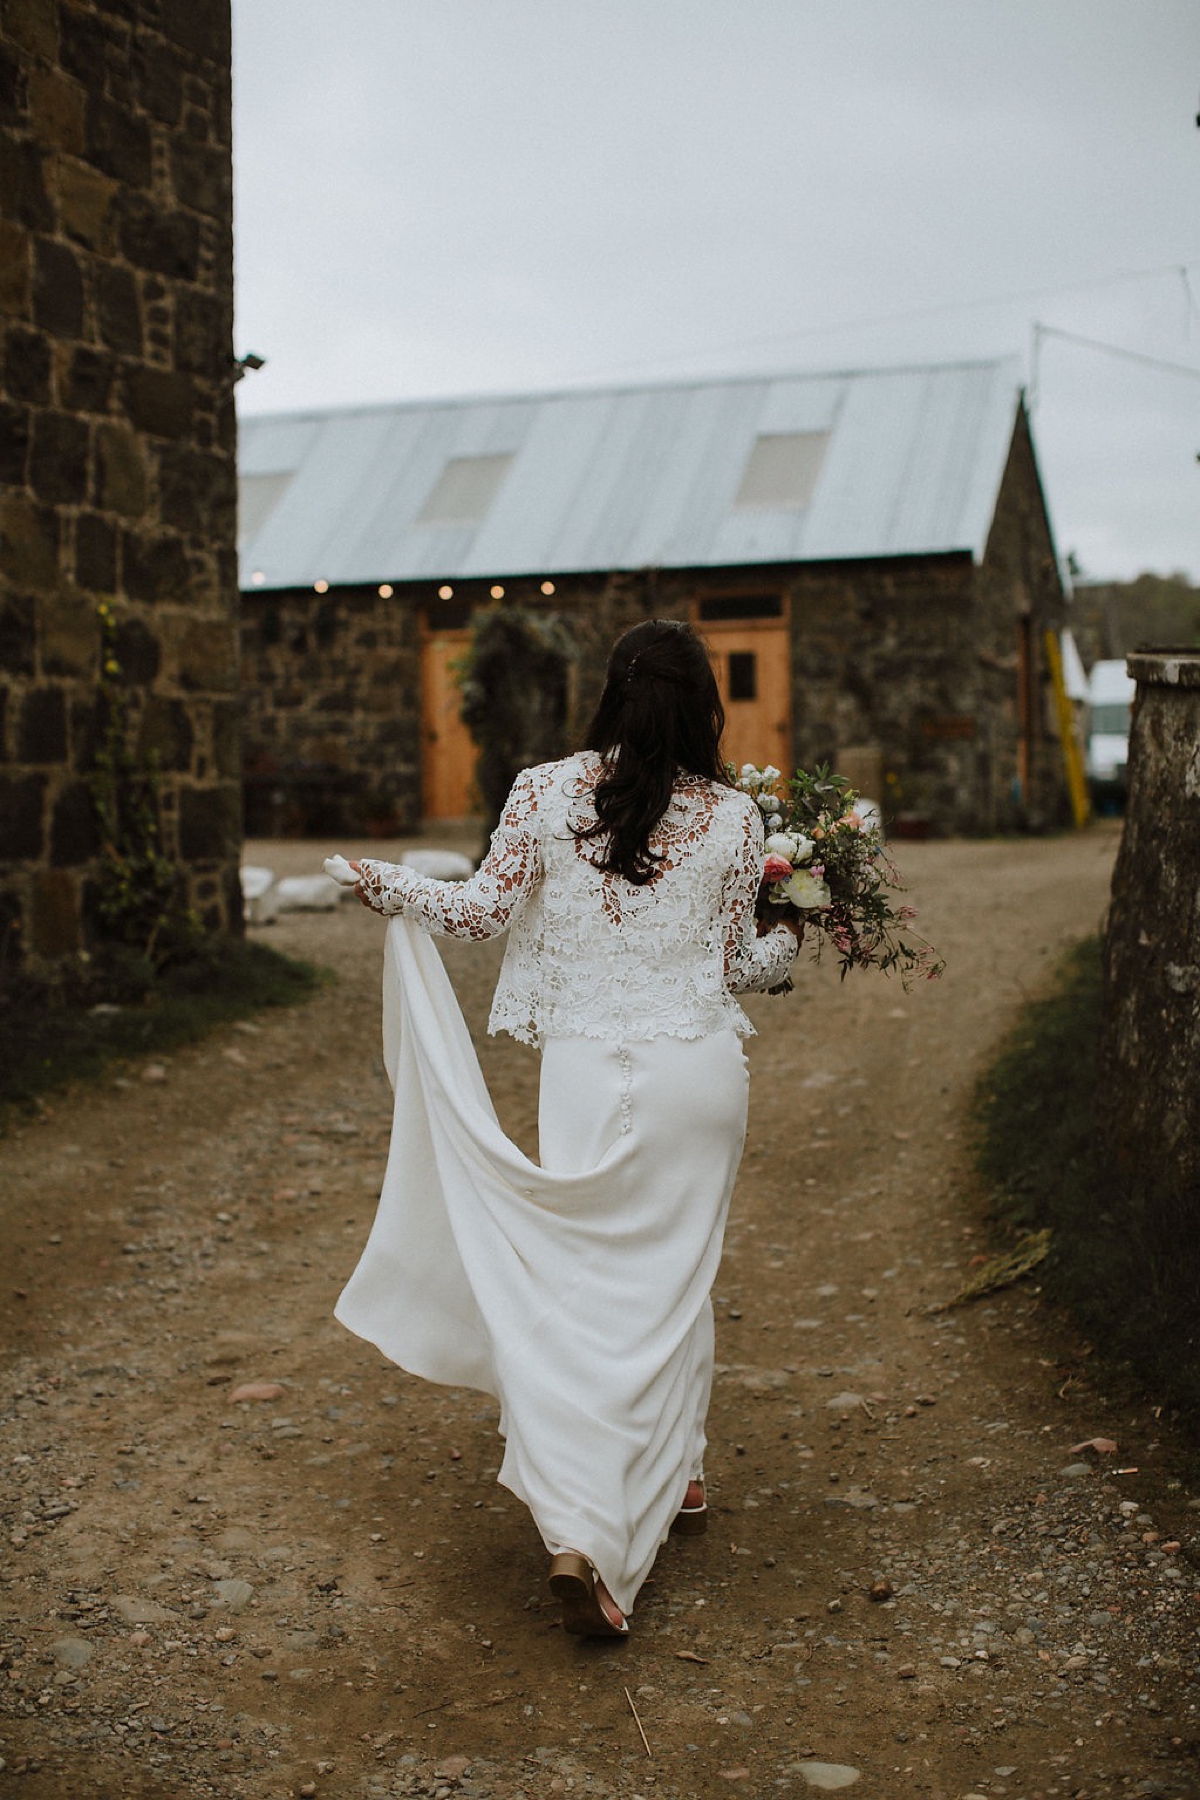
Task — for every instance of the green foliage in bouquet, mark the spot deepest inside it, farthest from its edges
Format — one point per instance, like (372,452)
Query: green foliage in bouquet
(827,866)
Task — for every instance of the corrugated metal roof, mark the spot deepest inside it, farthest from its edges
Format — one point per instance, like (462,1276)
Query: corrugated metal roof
(629,478)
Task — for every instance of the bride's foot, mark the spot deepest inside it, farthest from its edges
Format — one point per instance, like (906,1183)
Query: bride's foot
(692,1517)
(589,1610)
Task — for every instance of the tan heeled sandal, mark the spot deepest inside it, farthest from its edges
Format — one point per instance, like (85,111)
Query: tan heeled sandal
(692,1521)
(573,1584)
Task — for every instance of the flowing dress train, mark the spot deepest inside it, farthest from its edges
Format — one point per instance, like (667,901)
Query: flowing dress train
(576,1292)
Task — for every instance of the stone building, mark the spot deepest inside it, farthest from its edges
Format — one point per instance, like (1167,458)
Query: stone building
(117,448)
(869,556)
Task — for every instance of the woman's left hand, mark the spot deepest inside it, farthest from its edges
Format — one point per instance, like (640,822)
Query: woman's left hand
(789,920)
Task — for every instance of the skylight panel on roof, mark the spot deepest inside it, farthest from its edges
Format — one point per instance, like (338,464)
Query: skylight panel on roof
(781,471)
(464,491)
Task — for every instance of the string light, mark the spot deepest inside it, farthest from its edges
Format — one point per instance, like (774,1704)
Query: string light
(258,578)
(321,587)
(386,590)
(547,587)
(497,592)
(446,592)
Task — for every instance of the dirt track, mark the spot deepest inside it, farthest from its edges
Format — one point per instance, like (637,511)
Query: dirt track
(326,1592)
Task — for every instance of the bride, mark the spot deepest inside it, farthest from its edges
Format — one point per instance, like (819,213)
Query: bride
(576,1290)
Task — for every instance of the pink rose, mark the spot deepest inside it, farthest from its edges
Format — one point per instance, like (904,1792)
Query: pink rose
(776,868)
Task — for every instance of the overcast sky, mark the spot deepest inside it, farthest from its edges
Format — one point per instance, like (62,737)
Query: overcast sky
(464,196)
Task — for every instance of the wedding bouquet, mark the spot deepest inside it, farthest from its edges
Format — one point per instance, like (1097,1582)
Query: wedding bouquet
(827,865)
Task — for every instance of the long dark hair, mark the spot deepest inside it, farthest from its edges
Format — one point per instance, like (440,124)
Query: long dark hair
(660,714)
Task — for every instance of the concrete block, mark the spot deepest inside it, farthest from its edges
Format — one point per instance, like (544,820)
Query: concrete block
(42,727)
(54,917)
(85,206)
(69,635)
(210,823)
(22,804)
(57,289)
(33,24)
(74,832)
(16,271)
(15,431)
(121,475)
(58,106)
(89,382)
(26,365)
(95,553)
(29,543)
(18,635)
(118,141)
(167,243)
(119,309)
(160,402)
(60,458)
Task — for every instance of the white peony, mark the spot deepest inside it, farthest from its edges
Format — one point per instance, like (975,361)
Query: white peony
(805,891)
(792,845)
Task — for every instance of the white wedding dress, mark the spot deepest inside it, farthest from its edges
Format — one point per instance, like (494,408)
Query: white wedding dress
(574,1290)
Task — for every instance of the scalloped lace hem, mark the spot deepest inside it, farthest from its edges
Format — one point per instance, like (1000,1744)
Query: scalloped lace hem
(613,1031)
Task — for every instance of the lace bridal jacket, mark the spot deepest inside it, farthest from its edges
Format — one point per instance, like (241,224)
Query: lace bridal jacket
(576,1289)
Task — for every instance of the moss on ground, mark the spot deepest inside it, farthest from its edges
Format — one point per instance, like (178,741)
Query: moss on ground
(117,1007)
(1131,1286)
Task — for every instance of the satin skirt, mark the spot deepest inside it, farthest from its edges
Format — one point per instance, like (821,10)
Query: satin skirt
(575,1291)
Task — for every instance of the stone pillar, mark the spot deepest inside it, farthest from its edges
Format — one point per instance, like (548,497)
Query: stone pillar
(1151,1048)
(117,447)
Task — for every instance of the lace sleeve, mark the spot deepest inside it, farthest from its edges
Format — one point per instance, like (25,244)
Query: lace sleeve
(483,906)
(751,962)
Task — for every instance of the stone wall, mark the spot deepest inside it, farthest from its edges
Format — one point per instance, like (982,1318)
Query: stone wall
(332,731)
(909,665)
(1151,1049)
(921,660)
(117,444)
(1018,595)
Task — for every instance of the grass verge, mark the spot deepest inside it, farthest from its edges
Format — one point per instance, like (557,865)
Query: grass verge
(48,1040)
(1040,1149)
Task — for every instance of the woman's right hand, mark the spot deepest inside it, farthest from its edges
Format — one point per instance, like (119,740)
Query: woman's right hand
(360,891)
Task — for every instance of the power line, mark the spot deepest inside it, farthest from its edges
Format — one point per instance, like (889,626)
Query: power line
(982,302)
(1117,350)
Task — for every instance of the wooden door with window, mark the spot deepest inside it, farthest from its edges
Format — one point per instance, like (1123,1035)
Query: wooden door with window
(447,748)
(753,665)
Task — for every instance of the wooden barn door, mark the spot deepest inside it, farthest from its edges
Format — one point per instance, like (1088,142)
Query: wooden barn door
(447,748)
(752,660)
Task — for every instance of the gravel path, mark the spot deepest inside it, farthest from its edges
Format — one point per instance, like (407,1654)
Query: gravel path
(915,1583)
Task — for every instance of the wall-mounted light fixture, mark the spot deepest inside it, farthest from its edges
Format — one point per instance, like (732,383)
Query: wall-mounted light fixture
(241,364)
